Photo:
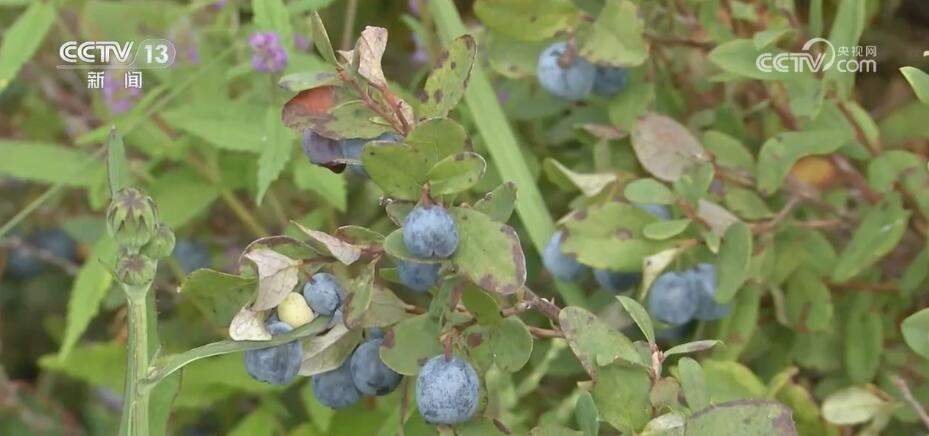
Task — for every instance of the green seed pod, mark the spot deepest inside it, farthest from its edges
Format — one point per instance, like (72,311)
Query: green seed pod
(162,243)
(131,218)
(135,269)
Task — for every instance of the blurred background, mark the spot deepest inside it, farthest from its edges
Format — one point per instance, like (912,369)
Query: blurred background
(195,133)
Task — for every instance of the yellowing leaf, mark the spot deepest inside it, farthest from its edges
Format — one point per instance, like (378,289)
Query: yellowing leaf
(277,276)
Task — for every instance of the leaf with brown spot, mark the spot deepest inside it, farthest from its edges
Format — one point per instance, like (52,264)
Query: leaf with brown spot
(413,341)
(456,173)
(446,84)
(665,147)
(755,417)
(489,253)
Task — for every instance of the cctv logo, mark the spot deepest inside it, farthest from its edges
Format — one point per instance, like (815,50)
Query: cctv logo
(150,53)
(95,52)
(798,62)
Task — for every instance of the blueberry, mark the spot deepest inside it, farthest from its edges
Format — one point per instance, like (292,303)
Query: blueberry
(321,150)
(447,390)
(323,293)
(276,365)
(352,148)
(191,255)
(672,300)
(658,210)
(572,82)
(369,373)
(616,281)
(703,280)
(25,263)
(57,242)
(429,232)
(561,266)
(374,333)
(335,388)
(419,277)
(609,81)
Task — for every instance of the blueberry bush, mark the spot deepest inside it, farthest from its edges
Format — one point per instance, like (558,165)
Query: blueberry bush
(539,217)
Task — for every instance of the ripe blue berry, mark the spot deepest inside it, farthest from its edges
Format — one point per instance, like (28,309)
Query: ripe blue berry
(447,390)
(703,280)
(616,281)
(374,333)
(369,373)
(335,389)
(560,265)
(276,365)
(658,210)
(429,232)
(571,82)
(672,300)
(609,81)
(419,277)
(323,293)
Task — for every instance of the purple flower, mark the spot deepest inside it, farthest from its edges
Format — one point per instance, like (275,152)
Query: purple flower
(218,4)
(419,52)
(268,56)
(301,42)
(116,95)
(413,5)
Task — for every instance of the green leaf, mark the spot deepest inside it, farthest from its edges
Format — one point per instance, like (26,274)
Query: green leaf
(586,414)
(321,38)
(849,22)
(527,20)
(229,125)
(482,305)
(328,351)
(181,195)
(511,58)
(446,84)
(594,342)
(738,56)
(116,164)
(880,230)
(410,343)
(864,344)
(330,186)
(272,15)
(589,184)
(747,204)
(664,147)
(779,153)
(919,80)
(616,38)
(260,422)
(22,38)
(648,191)
(511,344)
(489,253)
(734,256)
(385,309)
(49,163)
(692,347)
(399,169)
(438,138)
(730,380)
(499,203)
(218,295)
(630,104)
(853,405)
(737,329)
(87,292)
(622,395)
(359,298)
(755,417)
(456,173)
(161,402)
(276,151)
(809,303)
(394,246)
(693,382)
(640,316)
(728,151)
(915,330)
(297,82)
(661,230)
(350,119)
(100,364)
(329,245)
(610,236)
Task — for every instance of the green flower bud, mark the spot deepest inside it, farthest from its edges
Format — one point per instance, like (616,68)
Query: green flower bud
(131,218)
(162,243)
(135,269)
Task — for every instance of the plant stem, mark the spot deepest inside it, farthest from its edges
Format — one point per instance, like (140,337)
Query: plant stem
(135,401)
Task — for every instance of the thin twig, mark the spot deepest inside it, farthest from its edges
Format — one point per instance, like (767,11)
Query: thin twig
(908,396)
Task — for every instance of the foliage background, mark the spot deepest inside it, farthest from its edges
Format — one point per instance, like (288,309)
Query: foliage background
(206,141)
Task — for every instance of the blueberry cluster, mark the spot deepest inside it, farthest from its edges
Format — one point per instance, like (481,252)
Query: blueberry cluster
(676,297)
(447,390)
(429,232)
(566,75)
(566,268)
(364,373)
